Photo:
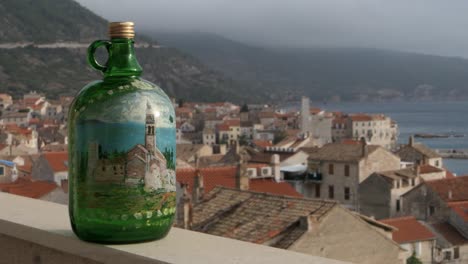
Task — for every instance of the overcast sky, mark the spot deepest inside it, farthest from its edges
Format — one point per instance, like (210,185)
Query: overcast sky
(427,26)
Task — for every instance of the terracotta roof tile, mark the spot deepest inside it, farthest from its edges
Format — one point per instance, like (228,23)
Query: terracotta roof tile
(226,176)
(341,152)
(409,230)
(252,216)
(57,160)
(28,188)
(450,234)
(426,168)
(262,143)
(461,209)
(457,186)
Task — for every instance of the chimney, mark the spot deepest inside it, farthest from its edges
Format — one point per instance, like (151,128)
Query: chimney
(307,222)
(198,188)
(242,178)
(275,164)
(187,208)
(411,141)
(418,170)
(363,147)
(450,194)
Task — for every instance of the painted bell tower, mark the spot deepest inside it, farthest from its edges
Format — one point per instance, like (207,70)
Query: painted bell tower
(150,130)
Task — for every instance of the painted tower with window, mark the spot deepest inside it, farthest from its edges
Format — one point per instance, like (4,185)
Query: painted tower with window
(150,135)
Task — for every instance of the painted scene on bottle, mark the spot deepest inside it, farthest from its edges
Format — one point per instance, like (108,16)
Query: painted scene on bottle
(126,166)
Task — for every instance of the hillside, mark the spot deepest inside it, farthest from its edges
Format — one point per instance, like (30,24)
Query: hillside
(57,71)
(329,73)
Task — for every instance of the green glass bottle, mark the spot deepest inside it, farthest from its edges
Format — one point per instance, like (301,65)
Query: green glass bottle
(122,143)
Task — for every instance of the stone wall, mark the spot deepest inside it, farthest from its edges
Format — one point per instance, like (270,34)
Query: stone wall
(418,201)
(342,235)
(375,197)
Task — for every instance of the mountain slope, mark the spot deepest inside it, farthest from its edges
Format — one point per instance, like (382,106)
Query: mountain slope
(330,73)
(57,71)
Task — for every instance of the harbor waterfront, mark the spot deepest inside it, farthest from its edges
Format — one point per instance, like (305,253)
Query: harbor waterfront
(436,118)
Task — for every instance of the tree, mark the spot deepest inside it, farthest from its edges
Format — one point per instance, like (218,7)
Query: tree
(243,140)
(279,135)
(413,259)
(181,102)
(244,108)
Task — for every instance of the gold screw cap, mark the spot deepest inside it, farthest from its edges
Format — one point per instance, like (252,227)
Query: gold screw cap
(121,30)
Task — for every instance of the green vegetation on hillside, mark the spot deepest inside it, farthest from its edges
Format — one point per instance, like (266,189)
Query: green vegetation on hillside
(329,73)
(63,71)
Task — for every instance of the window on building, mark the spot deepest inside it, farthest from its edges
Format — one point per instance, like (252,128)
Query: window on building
(413,182)
(317,191)
(398,184)
(2,171)
(456,253)
(431,210)
(437,163)
(331,169)
(347,193)
(331,192)
(346,170)
(398,205)
(448,255)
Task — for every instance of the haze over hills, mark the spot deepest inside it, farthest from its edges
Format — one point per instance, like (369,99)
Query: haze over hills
(329,73)
(63,70)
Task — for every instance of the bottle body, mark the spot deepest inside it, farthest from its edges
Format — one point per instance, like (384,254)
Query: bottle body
(121,144)
(122,162)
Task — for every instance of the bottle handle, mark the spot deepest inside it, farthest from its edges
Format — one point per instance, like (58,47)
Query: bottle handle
(92,50)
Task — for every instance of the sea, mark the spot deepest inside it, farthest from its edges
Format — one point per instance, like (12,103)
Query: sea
(421,117)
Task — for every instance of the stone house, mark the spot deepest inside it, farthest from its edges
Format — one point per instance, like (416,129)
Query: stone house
(380,194)
(267,118)
(414,237)
(342,167)
(51,167)
(430,200)
(209,136)
(18,118)
(377,129)
(316,227)
(452,246)
(190,152)
(417,153)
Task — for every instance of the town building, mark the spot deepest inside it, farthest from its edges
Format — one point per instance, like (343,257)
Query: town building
(414,237)
(337,169)
(418,153)
(315,227)
(380,194)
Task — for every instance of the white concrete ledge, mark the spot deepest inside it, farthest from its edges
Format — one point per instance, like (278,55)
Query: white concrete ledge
(35,231)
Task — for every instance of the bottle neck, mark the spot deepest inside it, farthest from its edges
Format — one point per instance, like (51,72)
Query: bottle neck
(122,61)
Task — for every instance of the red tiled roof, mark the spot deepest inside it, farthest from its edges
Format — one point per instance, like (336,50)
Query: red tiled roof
(339,120)
(28,188)
(351,142)
(222,127)
(315,111)
(409,230)
(361,117)
(460,208)
(450,234)
(262,143)
(186,110)
(457,186)
(273,187)
(210,110)
(449,174)
(226,176)
(57,160)
(426,168)
(232,122)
